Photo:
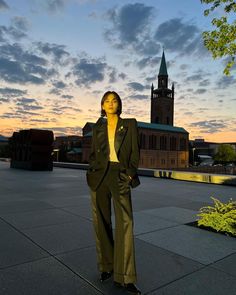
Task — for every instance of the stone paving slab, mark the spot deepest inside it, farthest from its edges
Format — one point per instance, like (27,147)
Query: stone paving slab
(84,210)
(43,277)
(23,206)
(153,267)
(207,281)
(32,219)
(195,205)
(144,223)
(194,243)
(67,201)
(84,263)
(227,264)
(15,248)
(63,237)
(175,214)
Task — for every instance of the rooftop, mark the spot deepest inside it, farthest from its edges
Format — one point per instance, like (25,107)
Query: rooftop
(154,126)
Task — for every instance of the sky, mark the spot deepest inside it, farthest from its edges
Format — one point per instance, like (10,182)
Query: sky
(58,57)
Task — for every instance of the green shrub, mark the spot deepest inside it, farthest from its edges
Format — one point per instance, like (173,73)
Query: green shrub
(221,217)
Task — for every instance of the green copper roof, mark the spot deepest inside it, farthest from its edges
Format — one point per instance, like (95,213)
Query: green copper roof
(161,127)
(163,69)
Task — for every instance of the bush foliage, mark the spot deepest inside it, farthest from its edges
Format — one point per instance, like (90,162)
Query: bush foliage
(221,217)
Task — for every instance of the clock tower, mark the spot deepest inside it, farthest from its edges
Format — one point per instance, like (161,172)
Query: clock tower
(162,98)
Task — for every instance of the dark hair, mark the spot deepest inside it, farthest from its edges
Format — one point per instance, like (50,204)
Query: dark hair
(119,109)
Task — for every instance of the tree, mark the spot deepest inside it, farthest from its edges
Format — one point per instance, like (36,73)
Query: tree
(225,153)
(221,41)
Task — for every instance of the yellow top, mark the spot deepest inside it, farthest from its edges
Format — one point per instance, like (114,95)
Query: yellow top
(111,139)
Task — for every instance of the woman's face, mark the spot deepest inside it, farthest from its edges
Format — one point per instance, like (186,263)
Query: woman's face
(110,104)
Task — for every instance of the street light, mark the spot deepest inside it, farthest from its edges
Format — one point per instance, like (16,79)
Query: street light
(193,149)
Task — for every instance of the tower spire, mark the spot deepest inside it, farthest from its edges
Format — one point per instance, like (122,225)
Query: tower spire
(163,68)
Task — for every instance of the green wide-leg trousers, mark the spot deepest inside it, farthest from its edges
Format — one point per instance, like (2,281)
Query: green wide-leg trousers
(116,254)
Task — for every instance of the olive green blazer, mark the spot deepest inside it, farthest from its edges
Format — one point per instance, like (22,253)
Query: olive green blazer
(127,147)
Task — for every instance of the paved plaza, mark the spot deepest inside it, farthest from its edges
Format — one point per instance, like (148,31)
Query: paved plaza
(47,244)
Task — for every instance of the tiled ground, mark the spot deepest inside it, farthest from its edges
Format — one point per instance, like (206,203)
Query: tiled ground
(47,241)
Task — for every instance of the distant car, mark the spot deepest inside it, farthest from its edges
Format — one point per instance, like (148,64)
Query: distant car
(230,165)
(206,163)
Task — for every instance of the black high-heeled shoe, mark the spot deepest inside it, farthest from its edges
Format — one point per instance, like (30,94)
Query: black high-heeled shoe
(105,275)
(130,288)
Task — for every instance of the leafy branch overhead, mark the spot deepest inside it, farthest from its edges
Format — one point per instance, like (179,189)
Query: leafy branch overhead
(221,42)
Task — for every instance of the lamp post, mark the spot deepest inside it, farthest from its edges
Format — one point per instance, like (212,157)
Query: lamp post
(193,149)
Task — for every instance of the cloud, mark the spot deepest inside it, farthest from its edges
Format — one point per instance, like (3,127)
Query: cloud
(21,23)
(194,78)
(20,114)
(16,31)
(177,36)
(27,104)
(149,61)
(225,82)
(46,120)
(139,96)
(3,5)
(188,113)
(137,86)
(55,5)
(4,100)
(12,92)
(130,29)
(59,84)
(211,126)
(89,70)
(21,66)
(129,22)
(11,32)
(58,110)
(16,52)
(60,131)
(204,83)
(200,91)
(57,51)
(13,72)
(67,96)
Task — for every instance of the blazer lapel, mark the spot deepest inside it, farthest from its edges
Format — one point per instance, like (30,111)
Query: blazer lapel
(120,133)
(102,135)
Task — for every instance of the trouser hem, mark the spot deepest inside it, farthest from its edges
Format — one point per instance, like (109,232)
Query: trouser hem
(105,267)
(124,279)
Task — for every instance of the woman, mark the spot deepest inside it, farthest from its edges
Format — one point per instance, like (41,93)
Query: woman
(113,165)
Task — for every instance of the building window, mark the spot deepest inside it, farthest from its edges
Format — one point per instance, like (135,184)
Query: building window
(163,142)
(152,142)
(163,161)
(173,143)
(182,144)
(167,121)
(142,141)
(172,161)
(151,161)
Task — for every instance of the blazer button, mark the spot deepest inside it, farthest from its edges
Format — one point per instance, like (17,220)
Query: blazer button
(98,150)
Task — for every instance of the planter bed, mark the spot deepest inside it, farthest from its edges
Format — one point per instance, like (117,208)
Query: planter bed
(194,224)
